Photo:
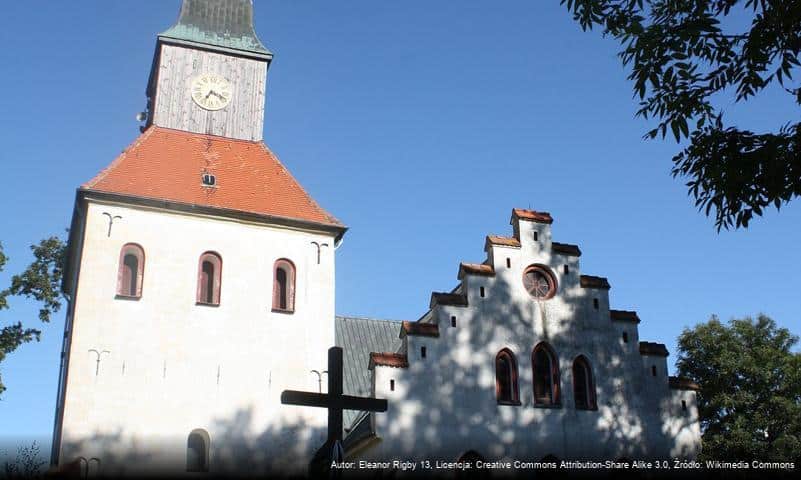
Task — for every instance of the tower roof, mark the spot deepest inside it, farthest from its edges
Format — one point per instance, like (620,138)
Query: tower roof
(168,165)
(224,24)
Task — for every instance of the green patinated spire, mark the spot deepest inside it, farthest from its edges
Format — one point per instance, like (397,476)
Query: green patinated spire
(224,24)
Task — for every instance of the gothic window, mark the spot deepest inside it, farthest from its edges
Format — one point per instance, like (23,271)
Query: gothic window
(545,367)
(197,451)
(583,384)
(506,388)
(284,286)
(209,279)
(539,282)
(131,270)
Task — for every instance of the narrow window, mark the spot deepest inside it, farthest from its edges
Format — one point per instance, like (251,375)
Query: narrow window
(208,279)
(208,180)
(284,286)
(130,271)
(508,263)
(423,352)
(566,269)
(536,236)
(453,321)
(392,385)
(653,370)
(482,292)
(625,337)
(546,376)
(583,384)
(684,405)
(506,385)
(197,451)
(595,303)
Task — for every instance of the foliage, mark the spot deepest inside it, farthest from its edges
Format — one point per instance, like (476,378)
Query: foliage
(681,56)
(40,281)
(750,399)
(28,463)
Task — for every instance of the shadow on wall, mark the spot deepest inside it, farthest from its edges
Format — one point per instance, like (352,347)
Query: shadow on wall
(233,446)
(445,404)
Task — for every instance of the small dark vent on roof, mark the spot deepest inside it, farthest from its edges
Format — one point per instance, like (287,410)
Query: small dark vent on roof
(209,180)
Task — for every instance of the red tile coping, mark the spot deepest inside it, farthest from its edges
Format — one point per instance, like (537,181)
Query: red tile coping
(566,249)
(682,383)
(624,316)
(589,281)
(166,164)
(651,348)
(385,359)
(539,217)
(421,329)
(455,299)
(504,241)
(476,269)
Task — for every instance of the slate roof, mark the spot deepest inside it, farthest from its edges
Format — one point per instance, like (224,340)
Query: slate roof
(358,337)
(165,164)
(218,23)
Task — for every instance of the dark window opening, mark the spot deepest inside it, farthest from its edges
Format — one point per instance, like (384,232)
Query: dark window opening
(130,272)
(280,278)
(546,376)
(392,385)
(653,370)
(197,452)
(423,352)
(583,385)
(508,263)
(284,286)
(453,321)
(208,279)
(684,405)
(482,292)
(536,236)
(506,389)
(625,337)
(595,303)
(209,180)
(566,269)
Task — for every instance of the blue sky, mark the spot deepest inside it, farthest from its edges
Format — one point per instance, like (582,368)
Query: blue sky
(420,125)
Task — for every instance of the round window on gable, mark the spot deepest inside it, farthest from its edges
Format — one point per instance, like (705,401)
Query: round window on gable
(209,180)
(540,282)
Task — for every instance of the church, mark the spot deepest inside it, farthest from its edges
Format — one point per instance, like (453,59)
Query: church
(201,285)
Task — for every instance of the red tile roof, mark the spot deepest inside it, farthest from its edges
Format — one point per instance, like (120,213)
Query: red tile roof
(651,348)
(396,360)
(540,217)
(456,299)
(476,269)
(566,249)
(167,164)
(505,241)
(589,281)
(682,383)
(421,329)
(624,316)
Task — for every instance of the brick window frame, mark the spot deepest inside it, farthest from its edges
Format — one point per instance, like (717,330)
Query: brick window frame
(131,271)
(545,376)
(284,276)
(209,279)
(506,378)
(584,393)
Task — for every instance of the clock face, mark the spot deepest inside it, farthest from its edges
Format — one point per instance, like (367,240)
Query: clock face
(211,91)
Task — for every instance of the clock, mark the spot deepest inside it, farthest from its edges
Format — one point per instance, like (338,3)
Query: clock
(539,282)
(211,91)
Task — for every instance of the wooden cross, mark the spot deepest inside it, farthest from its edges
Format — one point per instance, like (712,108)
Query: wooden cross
(334,400)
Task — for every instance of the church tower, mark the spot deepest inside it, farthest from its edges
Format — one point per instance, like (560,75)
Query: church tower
(200,277)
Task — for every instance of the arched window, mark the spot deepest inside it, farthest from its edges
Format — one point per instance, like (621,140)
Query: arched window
(583,384)
(506,390)
(545,365)
(208,279)
(284,286)
(197,451)
(131,271)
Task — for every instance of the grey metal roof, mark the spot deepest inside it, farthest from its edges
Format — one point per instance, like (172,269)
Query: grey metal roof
(358,337)
(218,23)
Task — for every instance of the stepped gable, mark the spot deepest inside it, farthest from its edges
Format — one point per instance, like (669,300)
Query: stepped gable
(165,164)
(386,359)
(590,281)
(420,329)
(681,383)
(624,316)
(652,348)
